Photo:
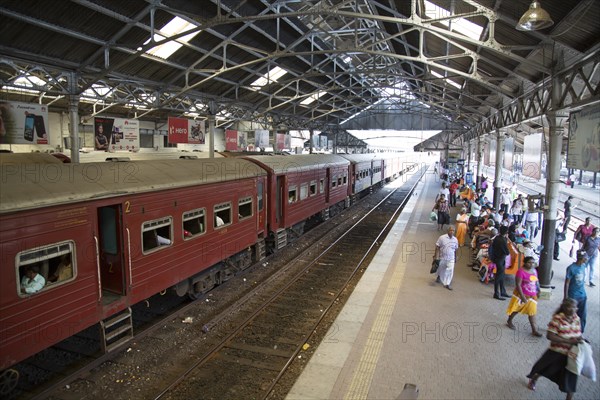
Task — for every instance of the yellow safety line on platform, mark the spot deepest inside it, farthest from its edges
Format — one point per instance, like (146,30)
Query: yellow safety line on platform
(361,381)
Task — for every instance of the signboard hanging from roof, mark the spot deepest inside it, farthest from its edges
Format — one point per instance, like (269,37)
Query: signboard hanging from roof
(584,139)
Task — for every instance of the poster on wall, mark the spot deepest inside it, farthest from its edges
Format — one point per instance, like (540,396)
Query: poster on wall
(584,139)
(532,156)
(242,141)
(261,138)
(23,123)
(196,132)
(231,137)
(116,134)
(184,130)
(280,141)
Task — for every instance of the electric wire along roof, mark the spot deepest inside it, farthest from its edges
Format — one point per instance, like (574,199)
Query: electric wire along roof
(458,66)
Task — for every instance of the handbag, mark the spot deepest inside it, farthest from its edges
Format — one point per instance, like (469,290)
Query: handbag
(561,237)
(434,266)
(433,216)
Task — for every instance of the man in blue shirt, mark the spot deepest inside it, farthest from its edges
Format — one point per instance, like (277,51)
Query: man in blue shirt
(575,285)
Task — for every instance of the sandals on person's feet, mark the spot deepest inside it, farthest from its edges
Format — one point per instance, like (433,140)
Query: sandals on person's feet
(536,334)
(531,385)
(511,326)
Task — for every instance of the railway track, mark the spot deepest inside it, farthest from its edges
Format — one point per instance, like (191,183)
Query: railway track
(49,378)
(277,324)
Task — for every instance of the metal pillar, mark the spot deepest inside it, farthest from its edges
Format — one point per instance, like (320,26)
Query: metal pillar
(498,171)
(212,112)
(469,158)
(211,136)
(74,119)
(552,191)
(478,176)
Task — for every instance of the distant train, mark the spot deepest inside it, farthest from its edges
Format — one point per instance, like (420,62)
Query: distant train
(105,236)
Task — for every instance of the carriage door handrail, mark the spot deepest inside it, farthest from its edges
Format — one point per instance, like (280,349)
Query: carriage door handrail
(98,267)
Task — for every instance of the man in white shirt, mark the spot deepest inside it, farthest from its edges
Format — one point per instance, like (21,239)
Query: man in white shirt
(32,282)
(445,251)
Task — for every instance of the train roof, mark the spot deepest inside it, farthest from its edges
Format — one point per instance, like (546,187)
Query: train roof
(34,185)
(298,162)
(28,158)
(354,158)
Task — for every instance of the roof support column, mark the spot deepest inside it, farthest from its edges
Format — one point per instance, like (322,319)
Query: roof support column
(212,107)
(469,157)
(479,156)
(74,118)
(552,191)
(498,171)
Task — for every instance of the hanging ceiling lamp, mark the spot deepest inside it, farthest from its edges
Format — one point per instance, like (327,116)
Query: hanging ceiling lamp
(535,18)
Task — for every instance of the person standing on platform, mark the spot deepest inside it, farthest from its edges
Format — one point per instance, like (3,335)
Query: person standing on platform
(524,298)
(583,232)
(443,211)
(506,199)
(564,331)
(445,251)
(462,219)
(517,209)
(575,286)
(453,188)
(499,252)
(591,248)
(567,207)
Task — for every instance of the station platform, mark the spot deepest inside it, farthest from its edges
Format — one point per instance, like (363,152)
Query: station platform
(400,327)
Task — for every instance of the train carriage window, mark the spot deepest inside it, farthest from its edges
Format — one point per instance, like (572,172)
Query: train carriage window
(194,223)
(222,215)
(345,179)
(303,191)
(245,207)
(334,181)
(156,234)
(313,188)
(340,181)
(292,194)
(322,186)
(45,267)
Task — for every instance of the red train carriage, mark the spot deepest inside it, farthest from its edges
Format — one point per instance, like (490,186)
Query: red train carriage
(300,187)
(104,236)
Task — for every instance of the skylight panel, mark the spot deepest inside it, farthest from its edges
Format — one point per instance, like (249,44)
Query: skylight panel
(450,81)
(174,27)
(271,76)
(460,25)
(312,98)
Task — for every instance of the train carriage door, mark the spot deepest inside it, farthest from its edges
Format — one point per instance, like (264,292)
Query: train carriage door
(111,249)
(279,201)
(327,185)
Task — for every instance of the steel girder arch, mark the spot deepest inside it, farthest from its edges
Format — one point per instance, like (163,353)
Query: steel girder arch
(579,86)
(440,142)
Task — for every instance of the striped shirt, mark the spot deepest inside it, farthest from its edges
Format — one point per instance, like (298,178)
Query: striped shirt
(564,329)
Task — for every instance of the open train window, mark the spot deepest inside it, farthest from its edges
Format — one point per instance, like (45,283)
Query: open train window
(345,179)
(245,207)
(313,188)
(334,181)
(303,191)
(340,179)
(292,194)
(45,267)
(194,223)
(156,234)
(222,215)
(322,185)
